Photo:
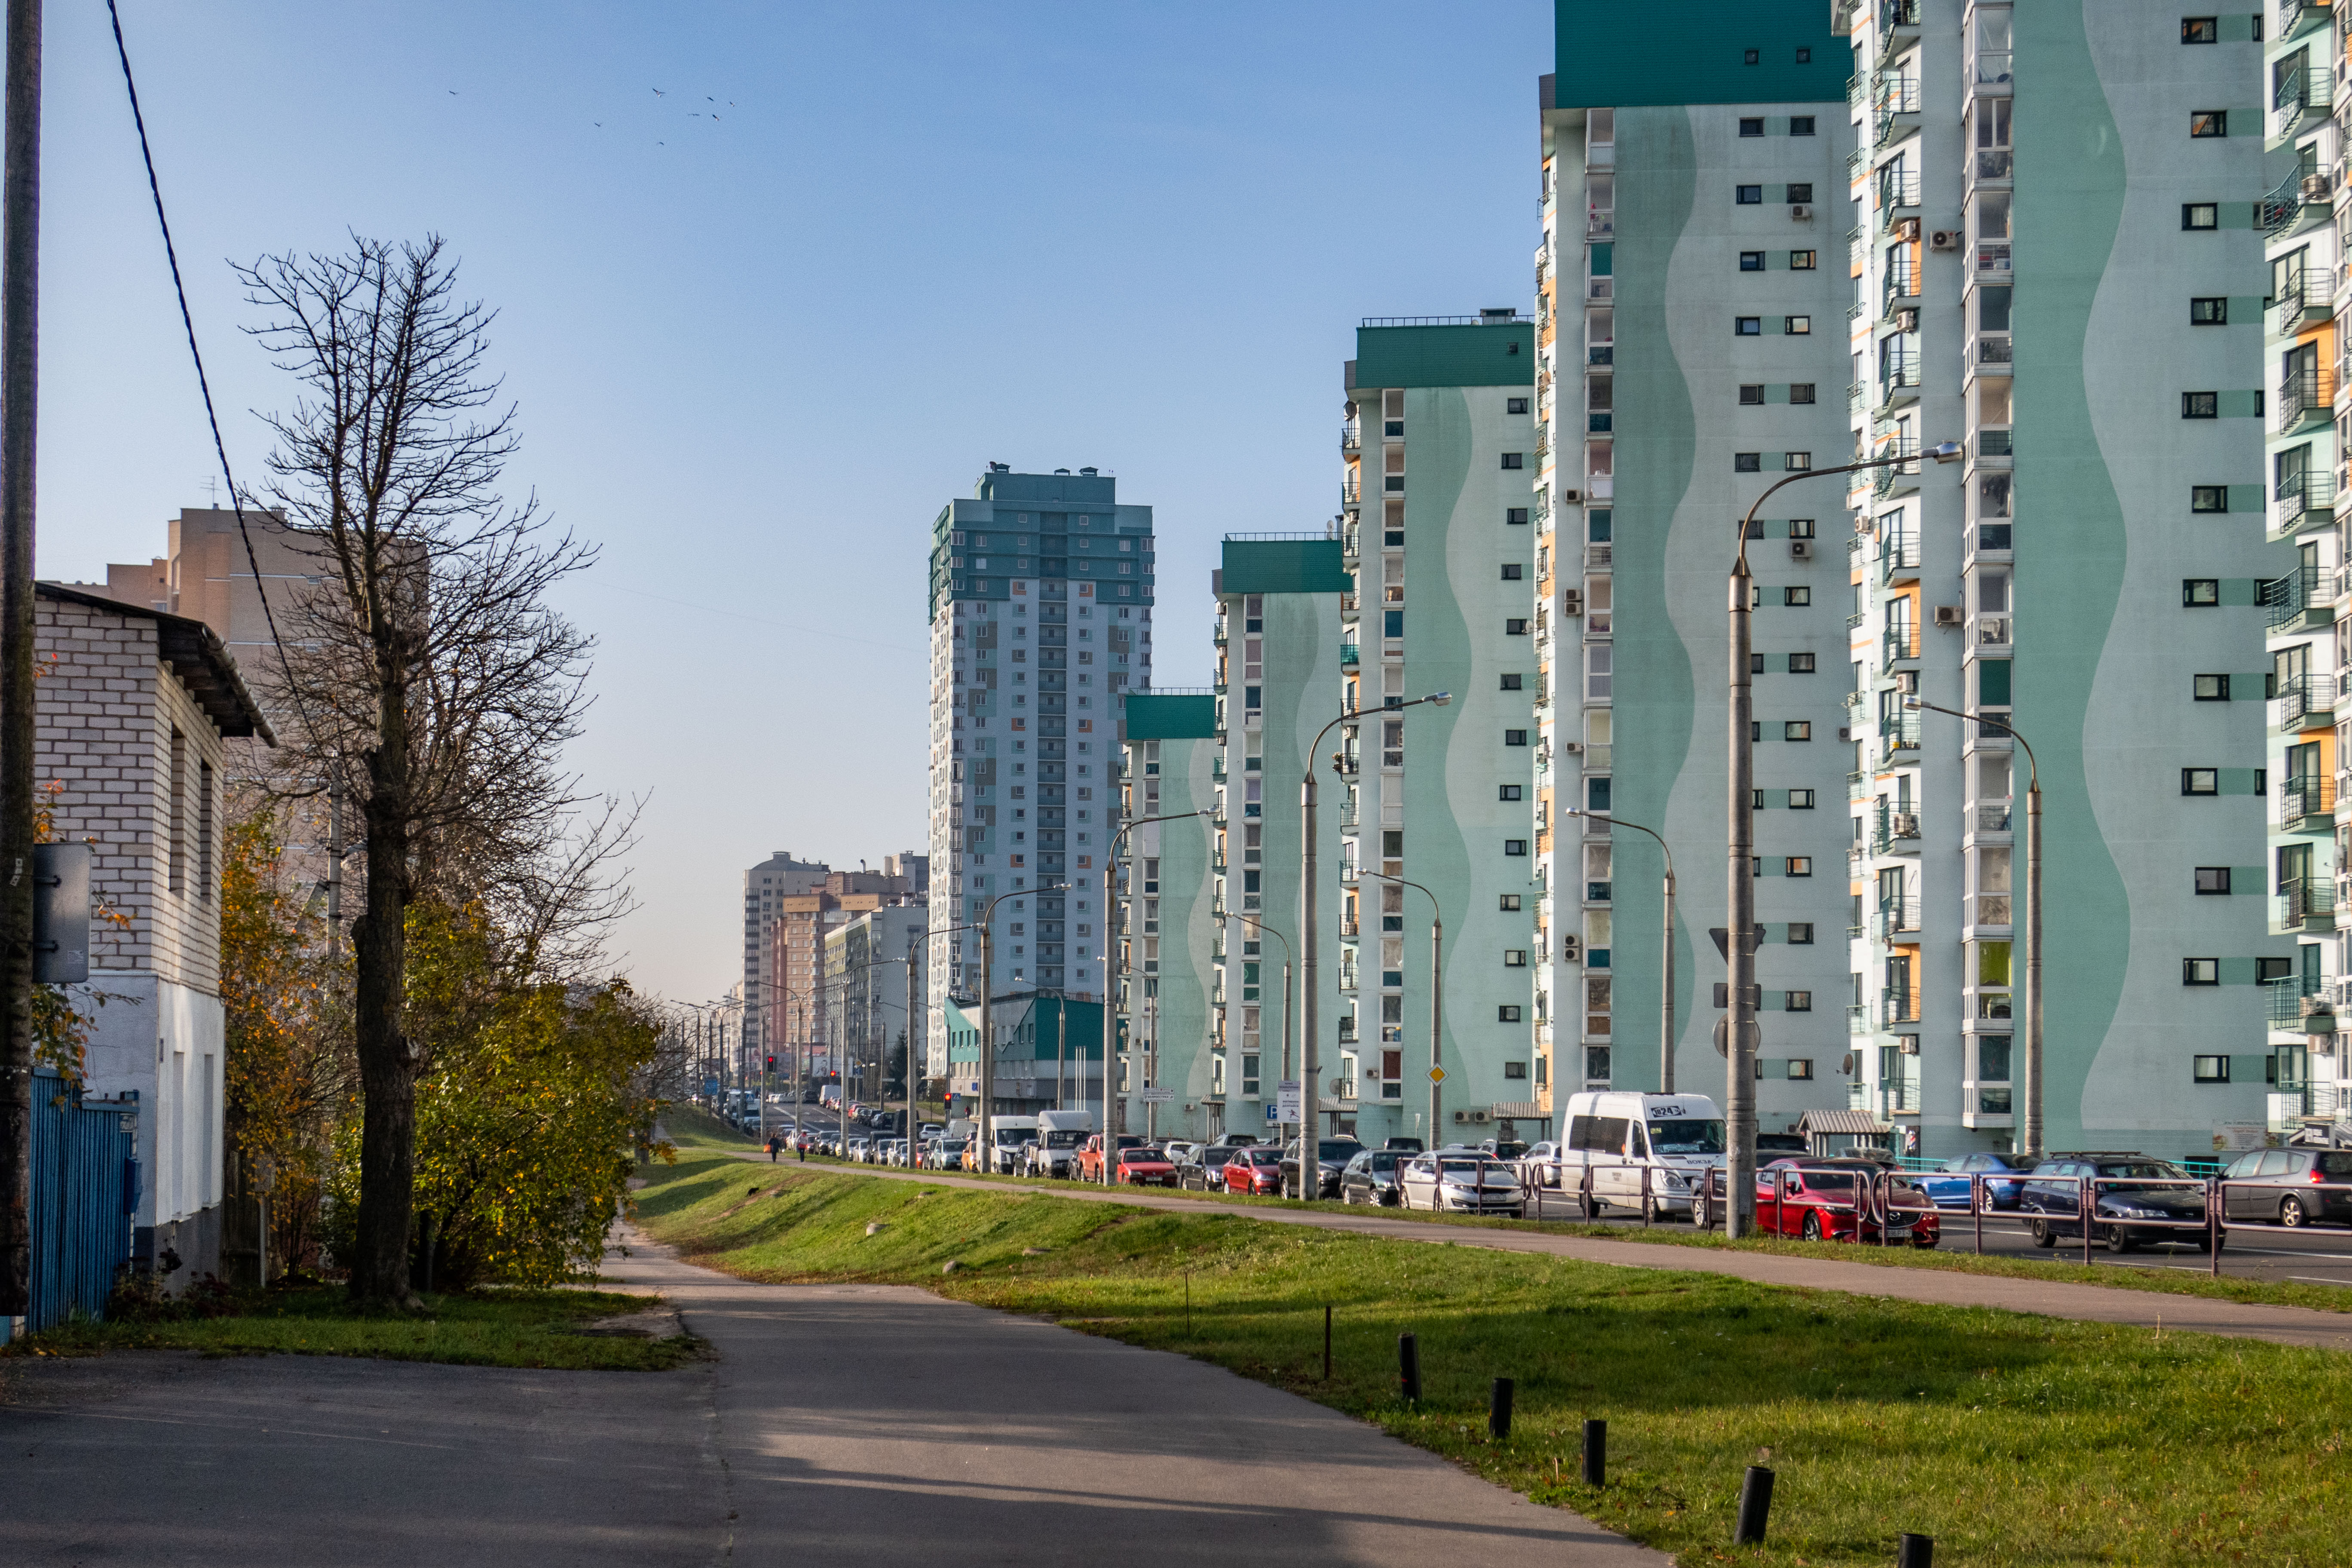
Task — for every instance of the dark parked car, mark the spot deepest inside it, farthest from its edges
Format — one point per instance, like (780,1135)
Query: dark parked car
(1411,1145)
(2167,1202)
(2289,1187)
(1257,1169)
(1206,1173)
(1371,1177)
(1331,1157)
(1773,1145)
(1951,1184)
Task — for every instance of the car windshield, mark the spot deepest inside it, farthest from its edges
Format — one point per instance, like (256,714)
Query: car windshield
(1385,1162)
(1336,1149)
(1263,1156)
(956,1145)
(1829,1181)
(1460,1167)
(1687,1137)
(2154,1170)
(1140,1156)
(1509,1151)
(1215,1156)
(1062,1139)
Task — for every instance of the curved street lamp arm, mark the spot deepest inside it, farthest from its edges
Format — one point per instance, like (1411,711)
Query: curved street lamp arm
(1621,821)
(2033,768)
(1942,452)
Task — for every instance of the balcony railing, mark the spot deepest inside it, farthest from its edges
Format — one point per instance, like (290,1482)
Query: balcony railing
(1351,436)
(1857,1020)
(1897,829)
(2286,1003)
(1898,555)
(2312,489)
(2305,796)
(2282,205)
(1897,191)
(2304,899)
(1900,735)
(1896,96)
(2286,599)
(1894,918)
(2305,394)
(2301,94)
(1900,641)
(1902,282)
(1993,818)
(1896,16)
(2309,293)
(1897,1007)
(2294,14)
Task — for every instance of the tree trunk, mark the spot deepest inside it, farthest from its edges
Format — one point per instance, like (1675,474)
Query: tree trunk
(379,1263)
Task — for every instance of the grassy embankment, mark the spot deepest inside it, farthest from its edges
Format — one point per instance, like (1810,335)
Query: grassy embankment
(2187,1279)
(2012,1440)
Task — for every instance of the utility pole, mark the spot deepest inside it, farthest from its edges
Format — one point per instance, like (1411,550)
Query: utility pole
(20,253)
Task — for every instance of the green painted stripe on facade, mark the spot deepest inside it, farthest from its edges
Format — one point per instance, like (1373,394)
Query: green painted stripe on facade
(1285,566)
(1503,355)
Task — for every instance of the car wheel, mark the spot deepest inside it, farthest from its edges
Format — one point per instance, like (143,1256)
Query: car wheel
(2043,1235)
(1703,1210)
(1812,1228)
(1590,1206)
(2291,1215)
(2118,1239)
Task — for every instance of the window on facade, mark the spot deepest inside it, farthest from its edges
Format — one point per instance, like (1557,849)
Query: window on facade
(2200,781)
(2199,215)
(1801,261)
(2201,593)
(1801,800)
(1751,125)
(1514,737)
(1796,462)
(1800,934)
(1799,866)
(2201,29)
(1796,596)
(1801,124)
(1798,326)
(2200,405)
(1800,1001)
(2201,972)
(2209,1070)
(1748,326)
(1797,730)
(1514,846)
(1515,406)
(1752,261)
(2209,311)
(1747,462)
(1751,394)
(1801,192)
(1801,392)
(1748,195)
(2209,688)
(1509,791)
(1802,664)
(2212,880)
(2203,122)
(1515,460)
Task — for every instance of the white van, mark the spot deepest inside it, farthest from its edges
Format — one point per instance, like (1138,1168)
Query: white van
(1059,1134)
(1613,1138)
(1008,1133)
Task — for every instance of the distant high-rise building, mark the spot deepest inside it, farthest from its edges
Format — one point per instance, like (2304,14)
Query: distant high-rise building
(1166,976)
(766,885)
(1040,594)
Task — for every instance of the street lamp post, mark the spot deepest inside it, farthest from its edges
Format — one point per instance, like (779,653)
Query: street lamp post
(2029,1123)
(1307,1021)
(1436,997)
(1109,1001)
(1739,1030)
(1666,973)
(1268,930)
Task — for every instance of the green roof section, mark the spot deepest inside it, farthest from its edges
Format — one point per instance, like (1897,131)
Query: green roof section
(1150,717)
(1616,55)
(1284,566)
(1499,354)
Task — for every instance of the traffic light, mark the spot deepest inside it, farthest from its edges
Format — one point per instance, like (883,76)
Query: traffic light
(771,1061)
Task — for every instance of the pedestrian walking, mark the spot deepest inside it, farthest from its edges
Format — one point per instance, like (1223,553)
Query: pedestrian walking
(775,1147)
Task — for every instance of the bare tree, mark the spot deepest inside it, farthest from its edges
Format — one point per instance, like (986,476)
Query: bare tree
(426,671)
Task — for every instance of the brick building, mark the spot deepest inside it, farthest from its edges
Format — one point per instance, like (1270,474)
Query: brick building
(135,708)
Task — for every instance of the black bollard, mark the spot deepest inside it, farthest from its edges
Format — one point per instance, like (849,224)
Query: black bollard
(1498,1410)
(1596,1453)
(1409,1367)
(1327,1342)
(1914,1552)
(1755,1507)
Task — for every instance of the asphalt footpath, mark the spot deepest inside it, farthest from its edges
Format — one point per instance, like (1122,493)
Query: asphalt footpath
(2049,1299)
(842,1424)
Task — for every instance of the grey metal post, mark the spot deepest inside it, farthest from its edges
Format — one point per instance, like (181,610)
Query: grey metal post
(1666,972)
(1740,1065)
(1436,996)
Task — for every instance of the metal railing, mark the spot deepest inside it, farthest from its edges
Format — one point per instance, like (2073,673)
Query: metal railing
(2299,93)
(2303,795)
(1899,552)
(1902,641)
(2304,393)
(1898,1006)
(1896,14)
(2311,288)
(1897,189)
(1901,282)
(2287,598)
(2312,489)
(2287,1003)
(1896,823)
(1894,917)
(1351,436)
(2301,899)
(1903,735)
(1897,95)
(2282,205)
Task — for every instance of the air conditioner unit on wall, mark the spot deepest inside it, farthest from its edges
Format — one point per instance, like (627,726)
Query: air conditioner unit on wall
(1949,614)
(1479,1116)
(1570,950)
(1908,230)
(1906,320)
(1572,601)
(1801,211)
(1944,240)
(1571,497)
(1570,748)
(1801,550)
(1461,1116)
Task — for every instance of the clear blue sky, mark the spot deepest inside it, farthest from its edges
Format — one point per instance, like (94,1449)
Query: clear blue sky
(754,356)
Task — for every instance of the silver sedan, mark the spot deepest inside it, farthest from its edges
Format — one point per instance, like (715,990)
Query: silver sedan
(1460,1182)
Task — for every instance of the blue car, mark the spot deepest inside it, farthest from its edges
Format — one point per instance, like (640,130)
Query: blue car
(1949,1186)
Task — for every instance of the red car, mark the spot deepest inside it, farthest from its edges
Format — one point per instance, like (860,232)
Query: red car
(1146,1167)
(1257,1169)
(1841,1200)
(1090,1155)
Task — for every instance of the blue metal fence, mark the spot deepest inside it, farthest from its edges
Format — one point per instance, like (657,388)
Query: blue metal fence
(85,1191)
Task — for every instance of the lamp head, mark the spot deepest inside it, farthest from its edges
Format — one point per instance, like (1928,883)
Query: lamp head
(1911,703)
(1443,699)
(1945,451)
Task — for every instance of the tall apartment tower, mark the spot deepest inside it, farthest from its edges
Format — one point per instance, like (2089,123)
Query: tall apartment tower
(768,983)
(2305,607)
(1041,596)
(1691,282)
(2055,234)
(1166,957)
(1280,647)
(1434,817)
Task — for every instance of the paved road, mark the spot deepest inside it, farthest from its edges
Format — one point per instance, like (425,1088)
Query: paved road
(841,1425)
(2055,1299)
(873,1424)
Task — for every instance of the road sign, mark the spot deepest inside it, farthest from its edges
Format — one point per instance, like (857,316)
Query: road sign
(1286,1100)
(1723,1035)
(1436,1075)
(1272,1115)
(1156,1096)
(1721,934)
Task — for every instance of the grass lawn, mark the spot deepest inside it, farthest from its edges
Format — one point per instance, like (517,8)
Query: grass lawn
(490,1327)
(1951,1257)
(2012,1439)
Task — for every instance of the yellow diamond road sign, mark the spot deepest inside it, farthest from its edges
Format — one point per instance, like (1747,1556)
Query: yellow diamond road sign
(1437,1075)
